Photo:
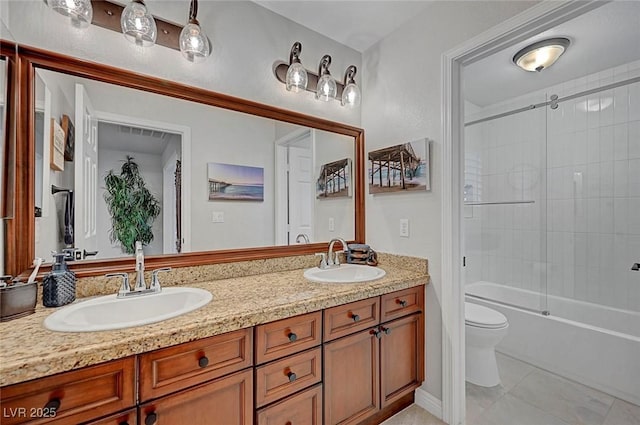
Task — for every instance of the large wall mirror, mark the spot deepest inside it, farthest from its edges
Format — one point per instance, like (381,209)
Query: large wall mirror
(215,178)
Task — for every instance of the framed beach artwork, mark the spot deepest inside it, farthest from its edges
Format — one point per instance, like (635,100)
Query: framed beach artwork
(229,182)
(334,180)
(400,168)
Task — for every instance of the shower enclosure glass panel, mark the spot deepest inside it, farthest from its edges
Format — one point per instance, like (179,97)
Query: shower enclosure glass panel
(593,184)
(505,202)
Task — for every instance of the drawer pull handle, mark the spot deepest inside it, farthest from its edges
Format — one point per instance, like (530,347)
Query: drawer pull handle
(292,376)
(151,419)
(124,423)
(292,336)
(355,317)
(387,331)
(402,303)
(52,406)
(203,361)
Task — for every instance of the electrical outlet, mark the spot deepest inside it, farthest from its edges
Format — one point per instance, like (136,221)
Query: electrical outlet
(332,224)
(404,227)
(217,217)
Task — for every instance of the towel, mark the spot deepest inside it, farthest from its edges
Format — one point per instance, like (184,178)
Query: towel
(68,219)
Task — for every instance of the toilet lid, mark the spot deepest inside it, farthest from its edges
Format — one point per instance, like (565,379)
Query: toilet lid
(484,317)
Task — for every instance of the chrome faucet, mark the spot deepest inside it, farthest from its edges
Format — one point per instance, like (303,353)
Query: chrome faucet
(140,284)
(333,259)
(304,237)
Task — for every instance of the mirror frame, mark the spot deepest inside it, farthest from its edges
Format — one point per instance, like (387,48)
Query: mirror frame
(20,231)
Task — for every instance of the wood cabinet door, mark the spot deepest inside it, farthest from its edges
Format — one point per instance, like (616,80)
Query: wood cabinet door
(401,357)
(224,401)
(351,378)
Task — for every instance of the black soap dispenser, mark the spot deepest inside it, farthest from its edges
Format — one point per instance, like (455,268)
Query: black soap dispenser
(59,286)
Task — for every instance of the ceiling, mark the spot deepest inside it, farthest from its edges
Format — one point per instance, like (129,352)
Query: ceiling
(603,38)
(135,139)
(357,24)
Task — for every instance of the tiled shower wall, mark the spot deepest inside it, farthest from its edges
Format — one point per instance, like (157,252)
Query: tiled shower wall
(580,166)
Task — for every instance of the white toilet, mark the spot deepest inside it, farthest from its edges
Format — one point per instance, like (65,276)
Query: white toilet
(484,329)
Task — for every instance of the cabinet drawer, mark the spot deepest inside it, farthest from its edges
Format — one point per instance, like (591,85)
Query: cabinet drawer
(171,369)
(284,337)
(281,378)
(79,395)
(349,318)
(304,408)
(401,303)
(130,417)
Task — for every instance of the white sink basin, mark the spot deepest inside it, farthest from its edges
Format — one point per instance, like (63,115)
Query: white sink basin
(109,312)
(345,273)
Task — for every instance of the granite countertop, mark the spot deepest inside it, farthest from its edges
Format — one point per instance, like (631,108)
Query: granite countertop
(30,351)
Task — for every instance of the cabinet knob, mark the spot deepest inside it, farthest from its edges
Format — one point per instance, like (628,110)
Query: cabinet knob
(402,303)
(355,317)
(292,336)
(151,419)
(292,376)
(387,331)
(52,406)
(124,423)
(377,333)
(203,361)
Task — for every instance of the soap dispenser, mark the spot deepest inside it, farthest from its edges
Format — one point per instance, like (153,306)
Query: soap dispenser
(59,286)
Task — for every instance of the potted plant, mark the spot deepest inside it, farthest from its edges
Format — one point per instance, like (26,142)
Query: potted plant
(132,206)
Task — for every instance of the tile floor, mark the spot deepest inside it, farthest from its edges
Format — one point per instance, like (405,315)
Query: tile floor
(532,396)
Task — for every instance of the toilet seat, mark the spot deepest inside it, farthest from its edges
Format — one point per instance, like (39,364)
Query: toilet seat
(483,317)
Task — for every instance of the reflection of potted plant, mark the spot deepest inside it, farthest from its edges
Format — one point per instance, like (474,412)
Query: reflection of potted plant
(132,207)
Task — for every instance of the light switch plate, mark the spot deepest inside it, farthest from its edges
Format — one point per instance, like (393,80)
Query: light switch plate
(404,227)
(332,224)
(217,217)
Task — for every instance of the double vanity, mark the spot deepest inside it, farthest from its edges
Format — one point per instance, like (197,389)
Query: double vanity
(269,348)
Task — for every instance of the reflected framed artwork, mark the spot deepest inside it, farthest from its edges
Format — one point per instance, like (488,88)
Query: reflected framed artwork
(334,180)
(229,182)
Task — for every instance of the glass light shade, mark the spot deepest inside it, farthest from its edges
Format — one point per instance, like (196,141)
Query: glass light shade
(541,55)
(297,78)
(351,95)
(79,11)
(327,88)
(194,43)
(138,25)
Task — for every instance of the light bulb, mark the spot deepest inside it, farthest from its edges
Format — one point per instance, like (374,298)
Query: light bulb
(138,25)
(297,77)
(79,11)
(194,43)
(327,88)
(351,95)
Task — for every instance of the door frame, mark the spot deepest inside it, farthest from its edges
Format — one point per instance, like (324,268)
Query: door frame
(281,168)
(538,18)
(185,146)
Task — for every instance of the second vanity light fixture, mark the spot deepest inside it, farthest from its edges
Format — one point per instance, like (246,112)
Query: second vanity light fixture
(296,78)
(138,25)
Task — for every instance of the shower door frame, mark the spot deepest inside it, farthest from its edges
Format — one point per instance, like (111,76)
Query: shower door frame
(535,20)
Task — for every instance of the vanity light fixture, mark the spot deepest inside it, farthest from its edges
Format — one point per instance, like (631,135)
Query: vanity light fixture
(326,88)
(541,55)
(79,11)
(194,43)
(138,25)
(351,94)
(296,78)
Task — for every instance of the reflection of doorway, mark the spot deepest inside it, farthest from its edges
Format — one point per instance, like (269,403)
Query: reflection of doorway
(295,195)
(159,149)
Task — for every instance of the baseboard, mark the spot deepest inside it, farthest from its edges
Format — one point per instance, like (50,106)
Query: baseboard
(429,402)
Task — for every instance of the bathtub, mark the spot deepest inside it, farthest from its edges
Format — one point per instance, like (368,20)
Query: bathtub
(595,345)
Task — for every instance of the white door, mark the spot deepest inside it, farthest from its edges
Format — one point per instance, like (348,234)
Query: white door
(301,192)
(86,172)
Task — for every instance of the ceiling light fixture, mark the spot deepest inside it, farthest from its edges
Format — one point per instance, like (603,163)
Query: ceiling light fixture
(351,94)
(194,43)
(541,55)
(79,11)
(138,25)
(296,78)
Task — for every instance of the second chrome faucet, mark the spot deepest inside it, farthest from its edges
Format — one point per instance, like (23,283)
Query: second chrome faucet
(140,287)
(331,259)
